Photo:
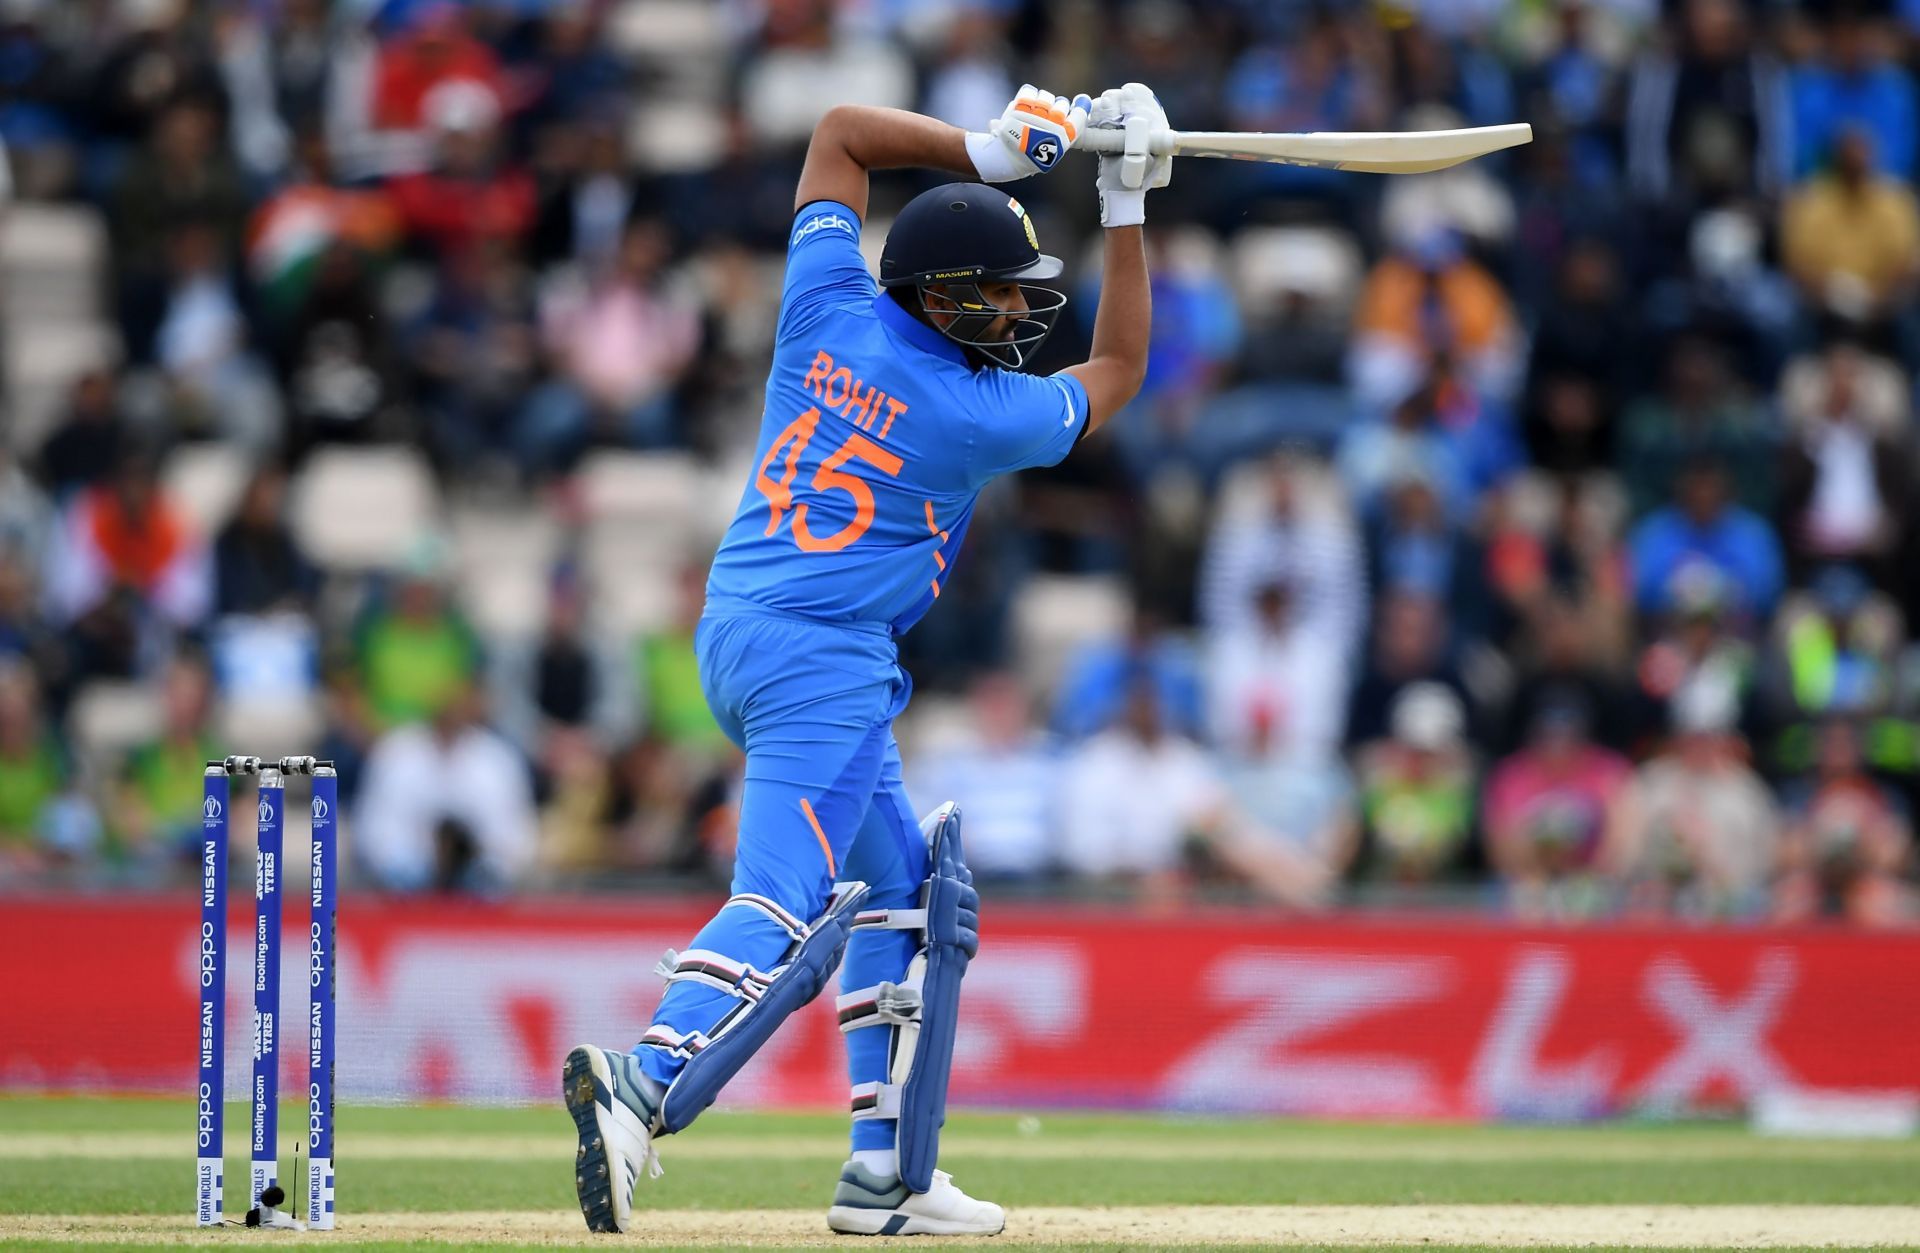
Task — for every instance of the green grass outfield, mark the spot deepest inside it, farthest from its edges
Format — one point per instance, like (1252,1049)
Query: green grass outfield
(106,1171)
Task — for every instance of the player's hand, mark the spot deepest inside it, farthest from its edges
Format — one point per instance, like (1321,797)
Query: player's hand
(1036,130)
(1126,177)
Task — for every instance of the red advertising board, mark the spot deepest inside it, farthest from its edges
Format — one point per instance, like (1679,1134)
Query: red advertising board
(1064,1006)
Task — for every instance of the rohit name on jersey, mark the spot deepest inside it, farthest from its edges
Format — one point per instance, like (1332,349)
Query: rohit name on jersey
(846,395)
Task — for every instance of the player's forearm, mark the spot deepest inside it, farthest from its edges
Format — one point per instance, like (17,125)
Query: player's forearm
(1116,367)
(855,138)
(889,139)
(1123,324)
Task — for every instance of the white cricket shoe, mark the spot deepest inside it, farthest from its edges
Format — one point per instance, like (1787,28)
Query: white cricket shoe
(867,1204)
(612,1102)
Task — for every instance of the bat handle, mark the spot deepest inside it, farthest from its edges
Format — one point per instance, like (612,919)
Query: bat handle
(1110,140)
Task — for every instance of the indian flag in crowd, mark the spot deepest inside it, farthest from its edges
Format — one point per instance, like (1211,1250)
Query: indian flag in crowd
(293,232)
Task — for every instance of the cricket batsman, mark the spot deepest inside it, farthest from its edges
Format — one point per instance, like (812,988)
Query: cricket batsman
(888,409)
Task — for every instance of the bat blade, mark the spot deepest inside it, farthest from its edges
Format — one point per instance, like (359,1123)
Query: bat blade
(1367,152)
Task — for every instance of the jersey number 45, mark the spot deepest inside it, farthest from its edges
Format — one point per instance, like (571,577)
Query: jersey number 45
(830,477)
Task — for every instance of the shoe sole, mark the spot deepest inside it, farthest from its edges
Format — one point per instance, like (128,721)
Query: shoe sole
(848,1221)
(584,1083)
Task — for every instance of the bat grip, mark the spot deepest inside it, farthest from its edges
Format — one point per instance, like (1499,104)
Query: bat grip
(1112,141)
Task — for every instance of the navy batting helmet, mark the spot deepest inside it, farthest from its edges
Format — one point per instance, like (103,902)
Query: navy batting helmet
(961,236)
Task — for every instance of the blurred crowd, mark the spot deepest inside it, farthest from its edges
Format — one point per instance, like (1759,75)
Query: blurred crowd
(1536,535)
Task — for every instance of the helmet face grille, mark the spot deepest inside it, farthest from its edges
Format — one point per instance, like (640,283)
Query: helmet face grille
(970,313)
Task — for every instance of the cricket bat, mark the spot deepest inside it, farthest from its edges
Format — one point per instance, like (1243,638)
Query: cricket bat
(1369,152)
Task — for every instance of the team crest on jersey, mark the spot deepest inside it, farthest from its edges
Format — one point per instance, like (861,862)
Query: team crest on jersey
(1020,211)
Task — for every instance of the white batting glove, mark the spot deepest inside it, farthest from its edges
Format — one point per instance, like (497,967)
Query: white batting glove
(1125,178)
(1036,130)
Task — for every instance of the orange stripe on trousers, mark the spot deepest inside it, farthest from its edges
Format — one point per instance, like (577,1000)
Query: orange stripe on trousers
(818,834)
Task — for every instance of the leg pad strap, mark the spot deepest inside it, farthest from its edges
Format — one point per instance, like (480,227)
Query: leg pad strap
(921,1010)
(761,1001)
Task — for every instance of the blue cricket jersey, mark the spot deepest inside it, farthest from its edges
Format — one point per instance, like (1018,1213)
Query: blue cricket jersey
(876,440)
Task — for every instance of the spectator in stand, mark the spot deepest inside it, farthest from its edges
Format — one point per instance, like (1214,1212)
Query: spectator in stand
(1416,785)
(1577,89)
(1410,646)
(566,702)
(1304,80)
(1851,238)
(1425,301)
(1706,835)
(1093,692)
(474,353)
(620,340)
(43,822)
(1836,654)
(1848,841)
(446,805)
(258,568)
(1467,199)
(1414,442)
(1696,647)
(1559,816)
(1699,414)
(807,63)
(1855,85)
(1846,484)
(217,387)
(1577,373)
(667,812)
(1559,657)
(337,356)
(125,568)
(413,651)
(306,48)
(570,682)
(185,176)
(969,79)
(1298,533)
(293,232)
(1707,112)
(1276,683)
(1730,287)
(26,634)
(26,516)
(1538,540)
(675,704)
(1703,528)
(84,448)
(1296,824)
(573,784)
(1415,548)
(471,194)
(1134,800)
(41,132)
(584,212)
(133,62)
(1557,207)
(1005,772)
(155,817)
(1442,430)
(574,73)
(434,50)
(1161,43)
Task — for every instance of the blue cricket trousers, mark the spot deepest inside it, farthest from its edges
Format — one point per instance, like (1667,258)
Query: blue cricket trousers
(813,705)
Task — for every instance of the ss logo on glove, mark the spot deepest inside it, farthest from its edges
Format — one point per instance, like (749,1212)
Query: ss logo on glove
(1042,149)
